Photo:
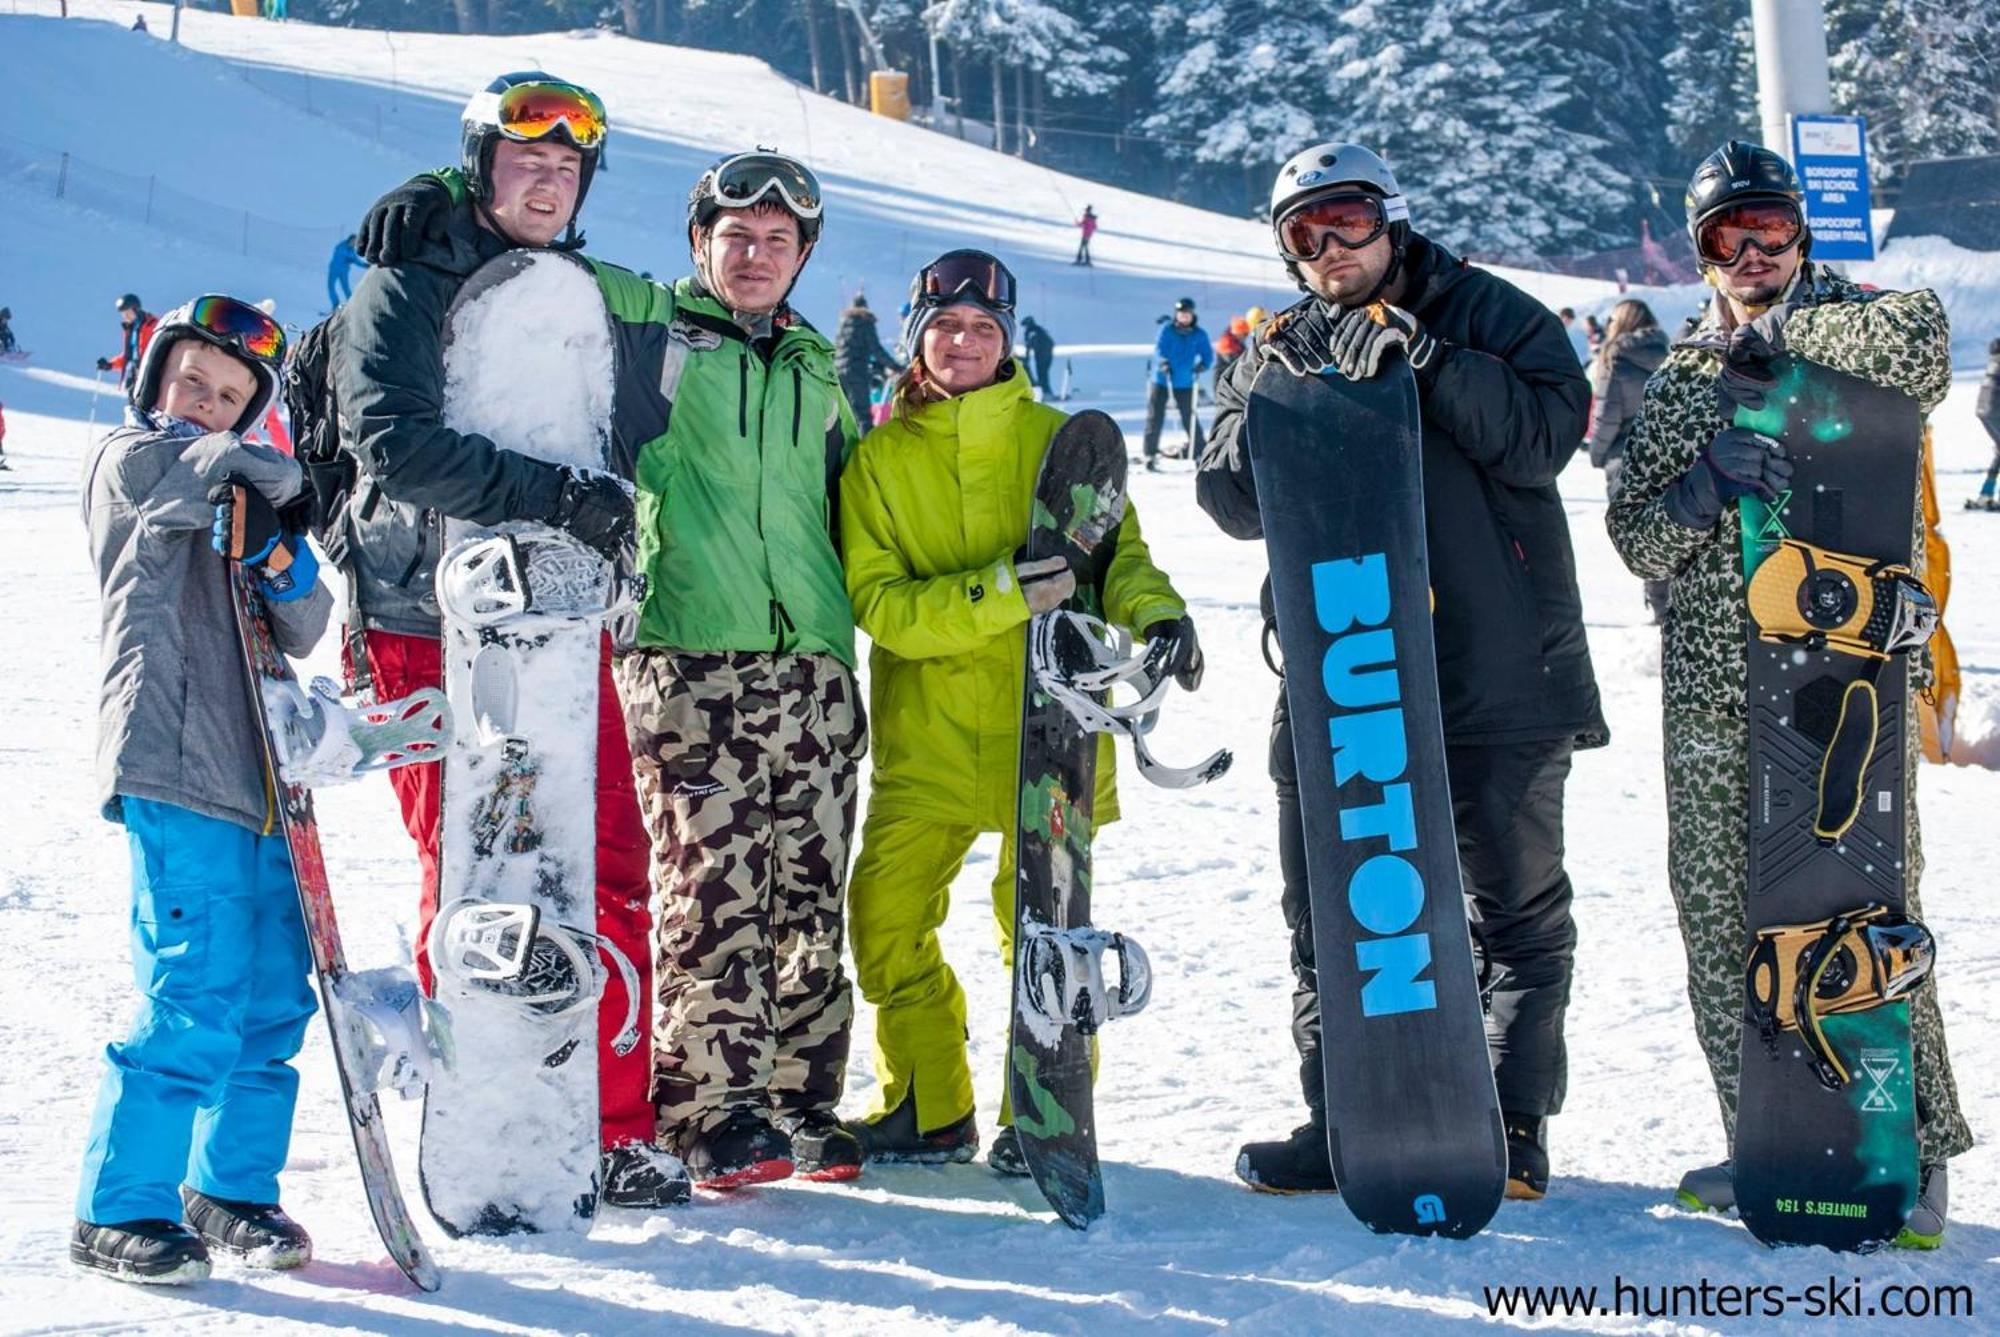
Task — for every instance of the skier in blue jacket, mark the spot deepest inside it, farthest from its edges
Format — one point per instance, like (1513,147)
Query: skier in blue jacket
(1180,354)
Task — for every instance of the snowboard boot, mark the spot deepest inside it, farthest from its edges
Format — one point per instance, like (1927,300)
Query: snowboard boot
(743,1149)
(894,1139)
(259,1233)
(1527,1157)
(823,1148)
(1299,1164)
(1711,1188)
(150,1252)
(1005,1157)
(1925,1228)
(643,1177)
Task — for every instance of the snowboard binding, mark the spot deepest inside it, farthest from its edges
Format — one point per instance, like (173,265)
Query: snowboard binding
(509,948)
(1824,600)
(1800,974)
(321,740)
(1064,972)
(1079,659)
(524,579)
(393,1037)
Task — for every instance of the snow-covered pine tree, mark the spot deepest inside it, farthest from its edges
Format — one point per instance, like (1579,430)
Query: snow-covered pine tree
(1923,72)
(1711,69)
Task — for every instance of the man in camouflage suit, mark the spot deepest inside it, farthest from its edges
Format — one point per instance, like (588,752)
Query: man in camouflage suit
(1673,520)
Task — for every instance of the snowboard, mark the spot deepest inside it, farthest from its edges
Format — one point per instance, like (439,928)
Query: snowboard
(1826,1130)
(1413,1119)
(510,1134)
(1079,503)
(345,996)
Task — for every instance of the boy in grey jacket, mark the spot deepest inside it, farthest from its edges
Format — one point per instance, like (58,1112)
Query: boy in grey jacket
(195,1112)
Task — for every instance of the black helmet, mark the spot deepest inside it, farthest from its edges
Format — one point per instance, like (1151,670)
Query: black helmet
(129,302)
(480,129)
(1740,170)
(1185,304)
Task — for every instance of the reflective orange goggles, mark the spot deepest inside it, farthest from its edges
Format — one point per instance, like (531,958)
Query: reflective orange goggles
(529,112)
(238,325)
(1773,226)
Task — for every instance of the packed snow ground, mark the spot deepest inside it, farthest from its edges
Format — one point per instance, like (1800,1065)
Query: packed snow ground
(1184,1248)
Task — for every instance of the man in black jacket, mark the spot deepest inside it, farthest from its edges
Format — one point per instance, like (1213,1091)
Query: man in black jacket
(859,359)
(1503,410)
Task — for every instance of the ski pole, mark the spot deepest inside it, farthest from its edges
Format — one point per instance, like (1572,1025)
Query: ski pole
(96,388)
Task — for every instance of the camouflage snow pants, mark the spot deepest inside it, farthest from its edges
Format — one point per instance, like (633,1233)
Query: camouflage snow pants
(746,766)
(1708,795)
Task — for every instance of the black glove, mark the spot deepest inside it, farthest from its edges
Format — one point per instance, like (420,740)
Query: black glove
(1746,376)
(1367,333)
(401,221)
(1737,463)
(1173,639)
(1301,340)
(248,529)
(596,509)
(104,364)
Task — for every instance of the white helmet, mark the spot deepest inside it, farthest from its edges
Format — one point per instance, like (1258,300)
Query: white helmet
(1330,169)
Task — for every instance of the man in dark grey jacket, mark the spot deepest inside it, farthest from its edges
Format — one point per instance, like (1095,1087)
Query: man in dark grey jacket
(1503,409)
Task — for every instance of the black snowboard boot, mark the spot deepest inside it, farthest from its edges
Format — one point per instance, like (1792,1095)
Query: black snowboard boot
(894,1139)
(743,1149)
(823,1148)
(642,1176)
(151,1252)
(1004,1156)
(1299,1164)
(1527,1156)
(257,1232)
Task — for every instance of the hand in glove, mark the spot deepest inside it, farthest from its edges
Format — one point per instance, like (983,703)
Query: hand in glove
(595,509)
(1301,339)
(401,221)
(1179,649)
(1737,463)
(1367,333)
(1046,583)
(1746,376)
(104,364)
(248,529)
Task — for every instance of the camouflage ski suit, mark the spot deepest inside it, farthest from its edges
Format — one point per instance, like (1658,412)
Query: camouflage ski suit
(1895,339)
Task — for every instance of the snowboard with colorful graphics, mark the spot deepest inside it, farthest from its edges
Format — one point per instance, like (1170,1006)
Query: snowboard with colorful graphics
(510,1138)
(364,1009)
(1826,1129)
(1413,1119)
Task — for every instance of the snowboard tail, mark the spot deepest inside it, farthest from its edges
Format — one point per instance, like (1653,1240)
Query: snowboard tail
(1414,1123)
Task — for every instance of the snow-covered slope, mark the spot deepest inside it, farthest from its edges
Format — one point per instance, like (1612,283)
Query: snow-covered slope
(1184,1248)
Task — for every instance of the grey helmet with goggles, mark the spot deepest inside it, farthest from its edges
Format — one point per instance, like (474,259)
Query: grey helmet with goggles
(1334,171)
(1723,198)
(527,107)
(744,180)
(970,276)
(254,338)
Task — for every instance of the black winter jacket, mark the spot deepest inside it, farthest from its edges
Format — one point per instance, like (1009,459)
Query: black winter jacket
(859,359)
(1615,405)
(1503,412)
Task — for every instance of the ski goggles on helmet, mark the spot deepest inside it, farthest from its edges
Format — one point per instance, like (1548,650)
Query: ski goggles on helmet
(959,276)
(1773,226)
(534,111)
(741,181)
(1353,219)
(240,326)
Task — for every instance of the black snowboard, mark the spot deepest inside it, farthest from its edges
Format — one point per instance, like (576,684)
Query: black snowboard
(1413,1117)
(1817,1164)
(1079,502)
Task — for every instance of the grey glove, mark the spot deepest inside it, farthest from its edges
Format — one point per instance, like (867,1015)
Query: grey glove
(1737,463)
(1046,583)
(1367,333)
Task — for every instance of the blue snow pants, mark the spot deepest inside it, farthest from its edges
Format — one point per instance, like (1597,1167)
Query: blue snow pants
(201,1092)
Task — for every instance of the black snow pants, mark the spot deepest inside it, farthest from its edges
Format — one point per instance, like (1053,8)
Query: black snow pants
(1507,802)
(1156,412)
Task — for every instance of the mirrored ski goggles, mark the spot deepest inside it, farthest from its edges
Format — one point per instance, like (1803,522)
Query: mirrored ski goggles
(747,178)
(528,112)
(240,326)
(965,275)
(1353,220)
(1772,226)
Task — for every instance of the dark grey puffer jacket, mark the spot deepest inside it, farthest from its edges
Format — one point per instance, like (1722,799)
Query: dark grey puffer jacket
(1633,359)
(174,717)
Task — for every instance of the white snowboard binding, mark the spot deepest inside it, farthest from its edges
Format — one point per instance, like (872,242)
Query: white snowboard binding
(1065,976)
(1079,659)
(322,740)
(394,1037)
(545,576)
(509,948)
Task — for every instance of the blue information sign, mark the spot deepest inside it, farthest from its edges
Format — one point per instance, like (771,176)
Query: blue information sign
(1831,155)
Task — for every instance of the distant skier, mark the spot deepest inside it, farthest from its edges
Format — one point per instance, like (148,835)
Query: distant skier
(1040,347)
(7,343)
(195,1110)
(1229,346)
(1633,350)
(1180,354)
(1989,418)
(1675,519)
(3,438)
(137,325)
(339,267)
(1503,403)
(1087,226)
(935,510)
(859,358)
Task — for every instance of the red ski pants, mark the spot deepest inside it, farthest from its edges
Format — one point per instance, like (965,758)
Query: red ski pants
(404,664)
